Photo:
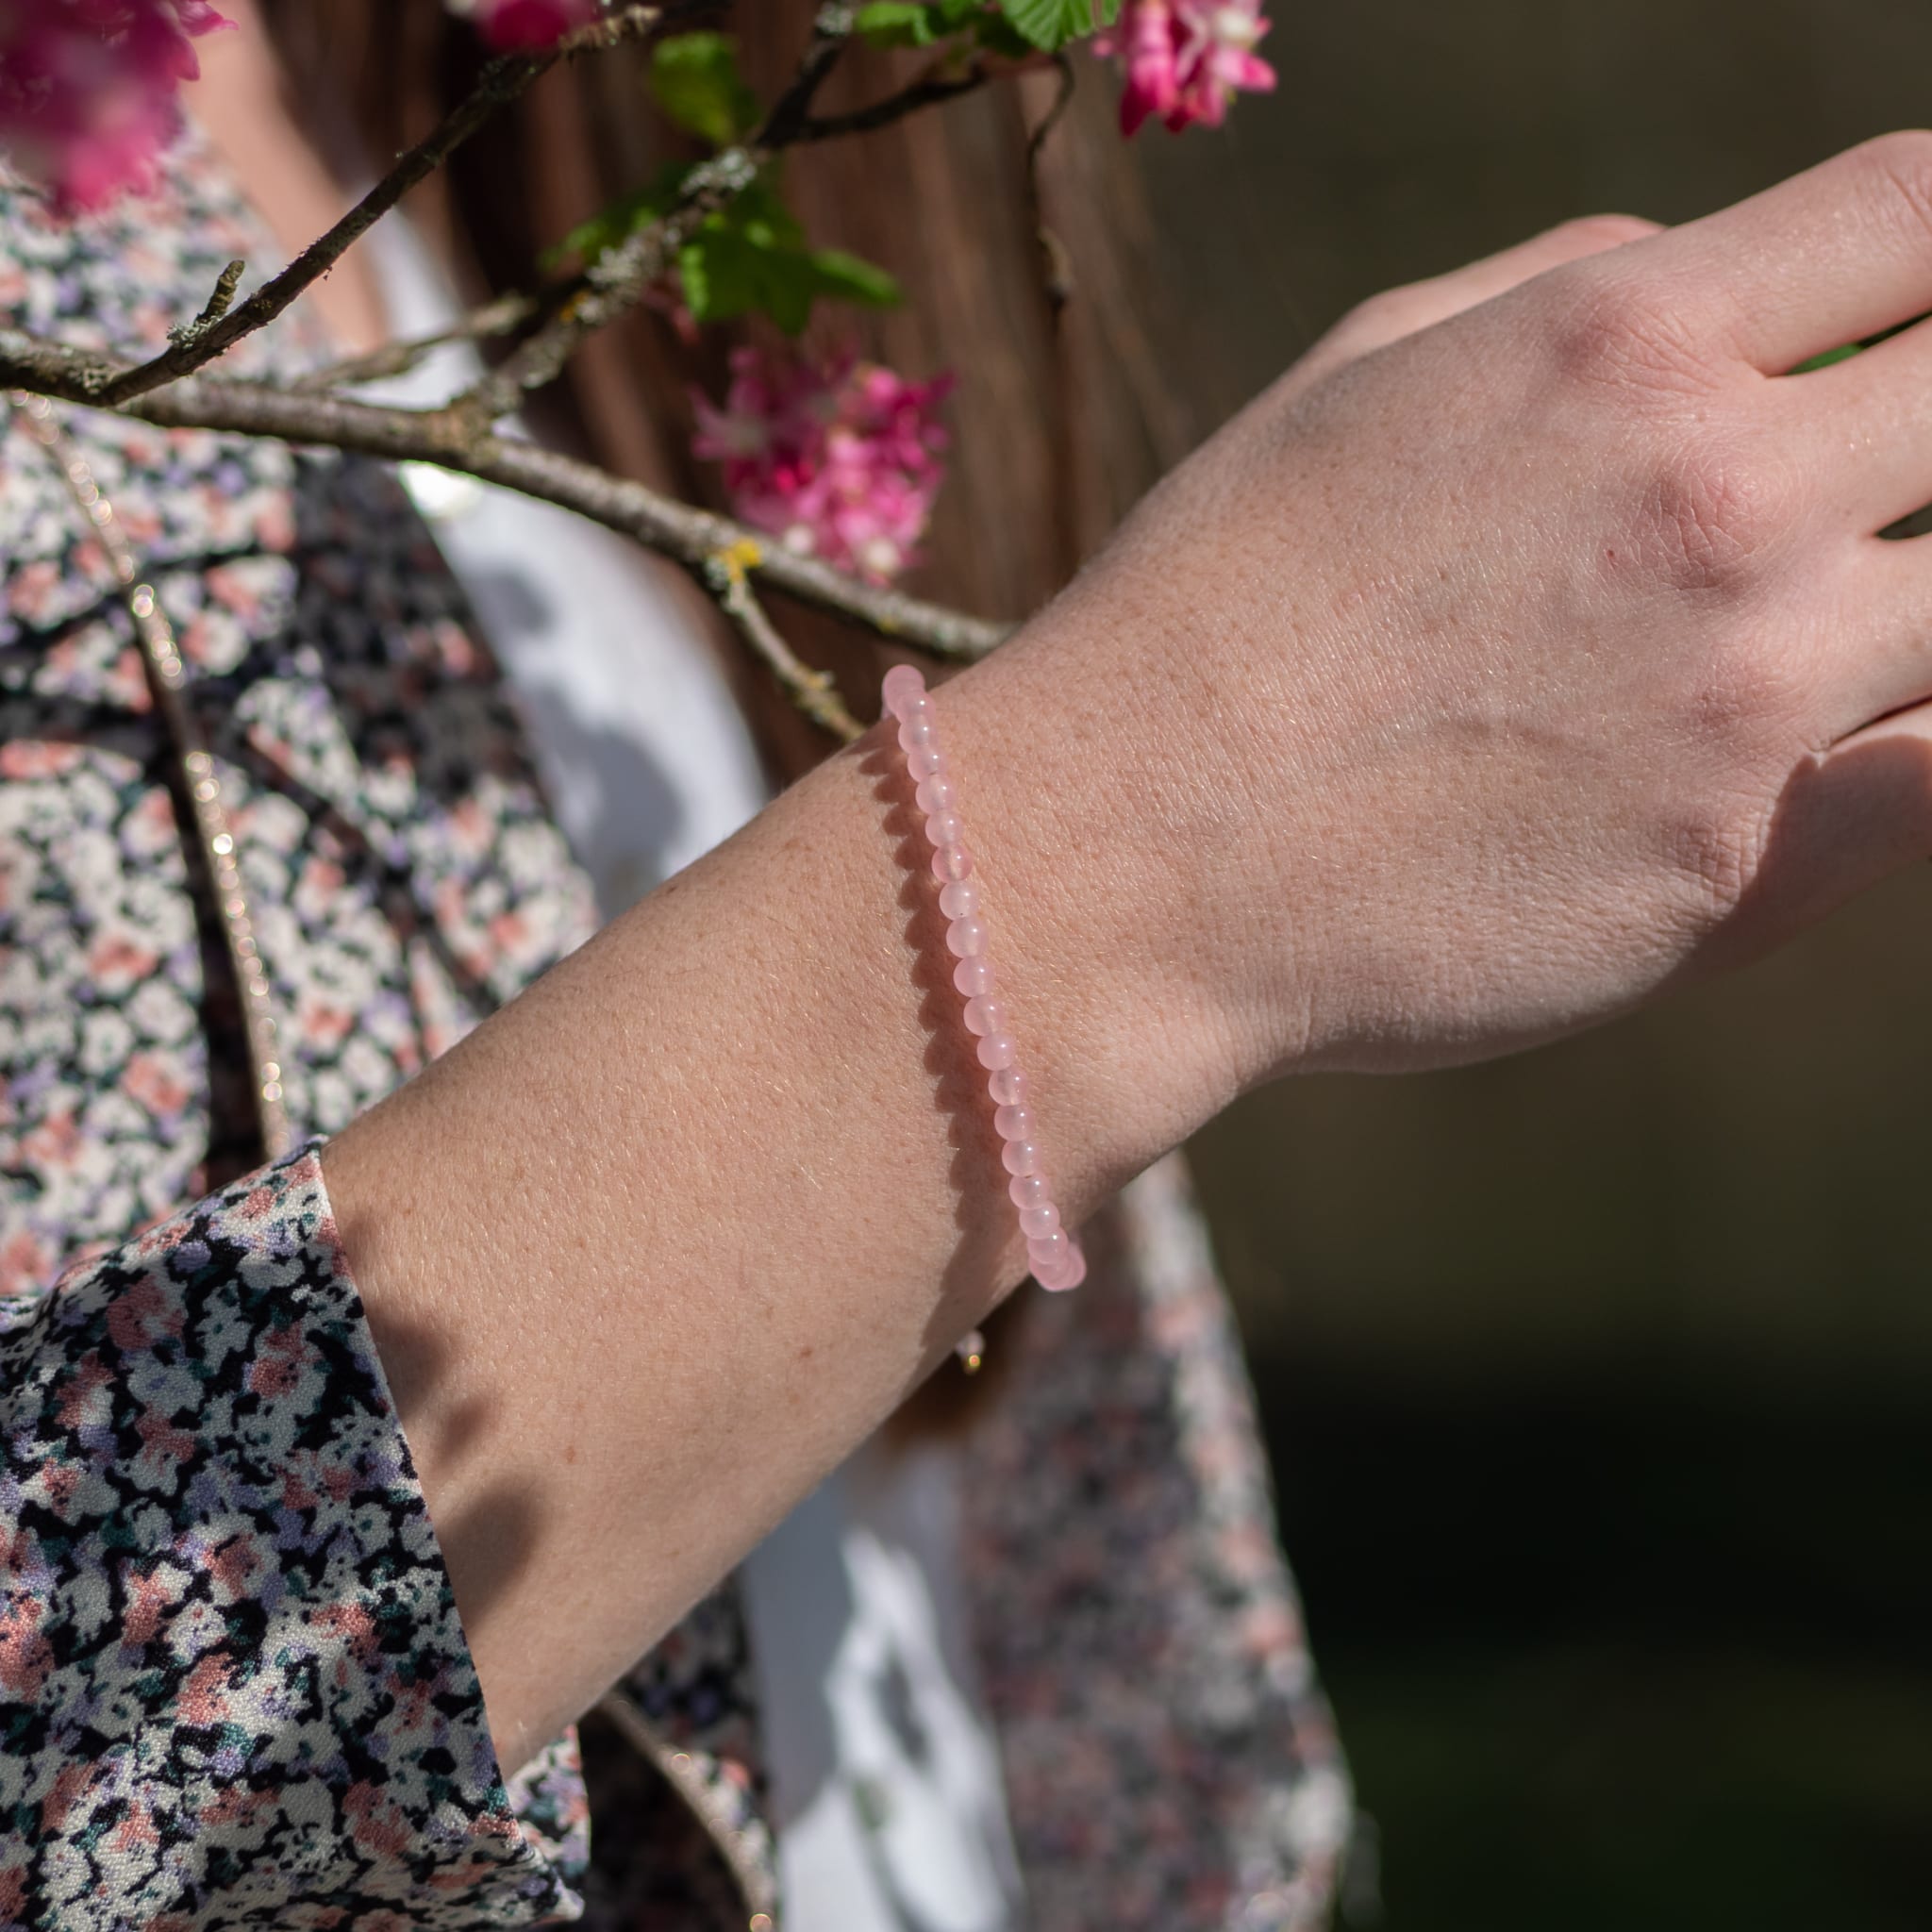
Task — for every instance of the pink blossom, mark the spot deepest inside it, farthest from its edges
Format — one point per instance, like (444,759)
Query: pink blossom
(518,24)
(87,90)
(1186,59)
(839,459)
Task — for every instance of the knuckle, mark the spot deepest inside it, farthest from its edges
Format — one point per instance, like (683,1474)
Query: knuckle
(1383,317)
(1895,172)
(1716,853)
(1706,518)
(1612,330)
(1606,231)
(1744,697)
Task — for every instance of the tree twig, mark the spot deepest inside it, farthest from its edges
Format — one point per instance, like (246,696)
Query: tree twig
(938,83)
(814,693)
(830,32)
(622,276)
(1036,141)
(688,536)
(612,286)
(1055,264)
(920,93)
(503,80)
(217,306)
(490,319)
(619,279)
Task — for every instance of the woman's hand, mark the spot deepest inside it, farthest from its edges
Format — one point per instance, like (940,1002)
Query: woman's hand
(1520,666)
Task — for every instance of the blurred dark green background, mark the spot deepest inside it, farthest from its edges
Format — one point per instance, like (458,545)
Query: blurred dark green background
(1593,1379)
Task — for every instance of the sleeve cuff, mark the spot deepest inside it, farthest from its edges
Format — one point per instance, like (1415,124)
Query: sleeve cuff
(234,1688)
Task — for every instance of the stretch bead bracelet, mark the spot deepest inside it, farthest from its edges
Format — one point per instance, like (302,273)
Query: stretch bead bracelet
(1053,1253)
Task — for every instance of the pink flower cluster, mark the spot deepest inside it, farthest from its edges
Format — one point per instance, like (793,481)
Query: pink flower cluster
(515,25)
(839,459)
(88,87)
(1186,59)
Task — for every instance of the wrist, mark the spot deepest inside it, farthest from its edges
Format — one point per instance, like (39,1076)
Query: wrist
(1109,837)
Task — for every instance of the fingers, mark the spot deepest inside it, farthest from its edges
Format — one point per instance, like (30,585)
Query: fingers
(1844,821)
(1834,254)
(1877,641)
(1397,312)
(1871,419)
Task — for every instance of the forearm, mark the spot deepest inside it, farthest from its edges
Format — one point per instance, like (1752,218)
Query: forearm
(661,1242)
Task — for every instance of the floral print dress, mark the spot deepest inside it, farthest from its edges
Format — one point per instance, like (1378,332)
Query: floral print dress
(234,1688)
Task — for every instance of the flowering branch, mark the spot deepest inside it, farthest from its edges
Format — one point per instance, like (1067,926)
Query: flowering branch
(619,279)
(502,81)
(814,693)
(612,286)
(842,462)
(688,536)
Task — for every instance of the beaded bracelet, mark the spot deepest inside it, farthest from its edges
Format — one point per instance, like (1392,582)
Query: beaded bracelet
(1053,1253)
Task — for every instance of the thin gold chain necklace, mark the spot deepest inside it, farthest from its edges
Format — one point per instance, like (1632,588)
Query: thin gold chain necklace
(214,857)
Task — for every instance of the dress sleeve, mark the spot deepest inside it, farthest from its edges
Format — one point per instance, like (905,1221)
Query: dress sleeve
(234,1690)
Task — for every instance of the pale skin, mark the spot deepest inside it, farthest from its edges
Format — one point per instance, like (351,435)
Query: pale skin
(1528,649)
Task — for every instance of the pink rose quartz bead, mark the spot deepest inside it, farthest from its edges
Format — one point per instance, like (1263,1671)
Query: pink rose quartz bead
(1013,1123)
(986,1015)
(1049,1252)
(1028,1191)
(966,938)
(997,1050)
(974,976)
(1036,1224)
(935,794)
(1007,1086)
(1070,1274)
(951,862)
(1020,1157)
(944,829)
(960,899)
(902,685)
(924,761)
(915,730)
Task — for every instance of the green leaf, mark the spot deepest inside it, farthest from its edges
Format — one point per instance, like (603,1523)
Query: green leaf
(972,24)
(1827,358)
(995,34)
(751,258)
(698,83)
(729,273)
(1840,354)
(896,23)
(612,227)
(842,277)
(1051,23)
